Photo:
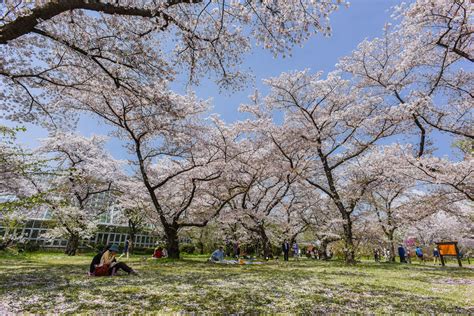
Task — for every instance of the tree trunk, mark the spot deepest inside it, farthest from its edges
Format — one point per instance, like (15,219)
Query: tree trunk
(172,242)
(5,243)
(267,246)
(132,230)
(349,249)
(72,245)
(293,238)
(6,240)
(201,243)
(324,249)
(392,247)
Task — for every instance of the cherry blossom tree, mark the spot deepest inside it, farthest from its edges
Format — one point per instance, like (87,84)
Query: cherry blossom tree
(320,218)
(443,23)
(445,226)
(50,47)
(330,124)
(396,199)
(86,173)
(19,169)
(176,158)
(404,194)
(420,64)
(17,166)
(266,184)
(295,213)
(134,205)
(453,178)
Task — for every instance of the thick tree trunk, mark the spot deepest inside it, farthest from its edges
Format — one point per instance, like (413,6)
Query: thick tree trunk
(266,245)
(349,249)
(267,249)
(293,239)
(6,243)
(72,245)
(392,247)
(201,243)
(172,242)
(324,249)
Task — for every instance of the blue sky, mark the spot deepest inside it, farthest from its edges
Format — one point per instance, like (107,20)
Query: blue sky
(363,19)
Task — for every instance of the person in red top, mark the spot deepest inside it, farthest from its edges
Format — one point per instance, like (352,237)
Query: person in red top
(158,253)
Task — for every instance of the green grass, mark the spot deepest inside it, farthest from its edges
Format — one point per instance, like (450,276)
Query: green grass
(52,282)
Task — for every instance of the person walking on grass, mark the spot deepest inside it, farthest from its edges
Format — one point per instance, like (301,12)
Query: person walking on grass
(376,255)
(436,255)
(126,248)
(285,247)
(296,250)
(419,254)
(401,253)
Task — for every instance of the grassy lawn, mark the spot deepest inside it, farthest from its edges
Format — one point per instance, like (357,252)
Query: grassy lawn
(52,282)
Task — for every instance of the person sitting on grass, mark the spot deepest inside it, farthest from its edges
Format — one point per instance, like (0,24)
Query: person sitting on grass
(108,265)
(217,255)
(96,260)
(158,253)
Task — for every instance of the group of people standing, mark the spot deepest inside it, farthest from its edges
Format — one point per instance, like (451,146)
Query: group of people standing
(286,247)
(405,254)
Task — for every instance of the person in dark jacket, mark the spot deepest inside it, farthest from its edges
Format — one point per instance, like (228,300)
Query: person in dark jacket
(436,258)
(376,255)
(126,248)
(401,253)
(285,247)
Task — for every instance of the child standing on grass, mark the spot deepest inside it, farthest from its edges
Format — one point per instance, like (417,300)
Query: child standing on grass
(435,255)
(126,248)
(295,251)
(419,253)
(376,255)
